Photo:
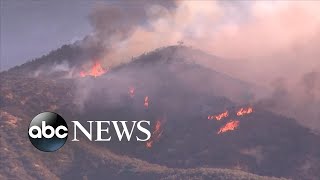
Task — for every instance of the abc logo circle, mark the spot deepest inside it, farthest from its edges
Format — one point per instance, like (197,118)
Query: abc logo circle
(48,131)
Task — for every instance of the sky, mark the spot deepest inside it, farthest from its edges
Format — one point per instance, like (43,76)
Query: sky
(30,29)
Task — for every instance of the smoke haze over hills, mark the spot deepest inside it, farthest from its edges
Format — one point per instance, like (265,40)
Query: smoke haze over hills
(232,85)
(261,41)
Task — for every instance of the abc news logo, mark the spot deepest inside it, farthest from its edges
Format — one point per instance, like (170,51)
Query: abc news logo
(48,131)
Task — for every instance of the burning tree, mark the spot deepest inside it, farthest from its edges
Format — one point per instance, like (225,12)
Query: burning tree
(95,71)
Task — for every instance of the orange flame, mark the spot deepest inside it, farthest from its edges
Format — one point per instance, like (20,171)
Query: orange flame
(219,116)
(149,144)
(146,102)
(157,127)
(95,71)
(131,91)
(244,111)
(156,134)
(230,126)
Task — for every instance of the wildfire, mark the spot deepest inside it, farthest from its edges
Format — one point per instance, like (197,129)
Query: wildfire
(131,92)
(95,71)
(219,116)
(230,126)
(244,111)
(149,144)
(157,127)
(156,134)
(146,102)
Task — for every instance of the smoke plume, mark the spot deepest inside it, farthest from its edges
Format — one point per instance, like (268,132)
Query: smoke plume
(261,42)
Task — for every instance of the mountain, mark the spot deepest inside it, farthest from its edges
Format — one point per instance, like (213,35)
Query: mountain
(169,88)
(22,98)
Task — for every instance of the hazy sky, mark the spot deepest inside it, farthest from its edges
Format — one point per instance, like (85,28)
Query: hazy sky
(30,29)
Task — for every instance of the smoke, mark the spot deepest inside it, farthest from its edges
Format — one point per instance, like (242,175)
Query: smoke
(261,42)
(274,37)
(61,70)
(52,69)
(115,24)
(299,100)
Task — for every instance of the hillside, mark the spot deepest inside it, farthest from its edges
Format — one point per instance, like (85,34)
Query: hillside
(20,159)
(181,94)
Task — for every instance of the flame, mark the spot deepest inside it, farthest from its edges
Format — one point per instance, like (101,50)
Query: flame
(157,127)
(219,116)
(230,126)
(83,74)
(149,144)
(95,71)
(244,111)
(156,134)
(131,91)
(146,101)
